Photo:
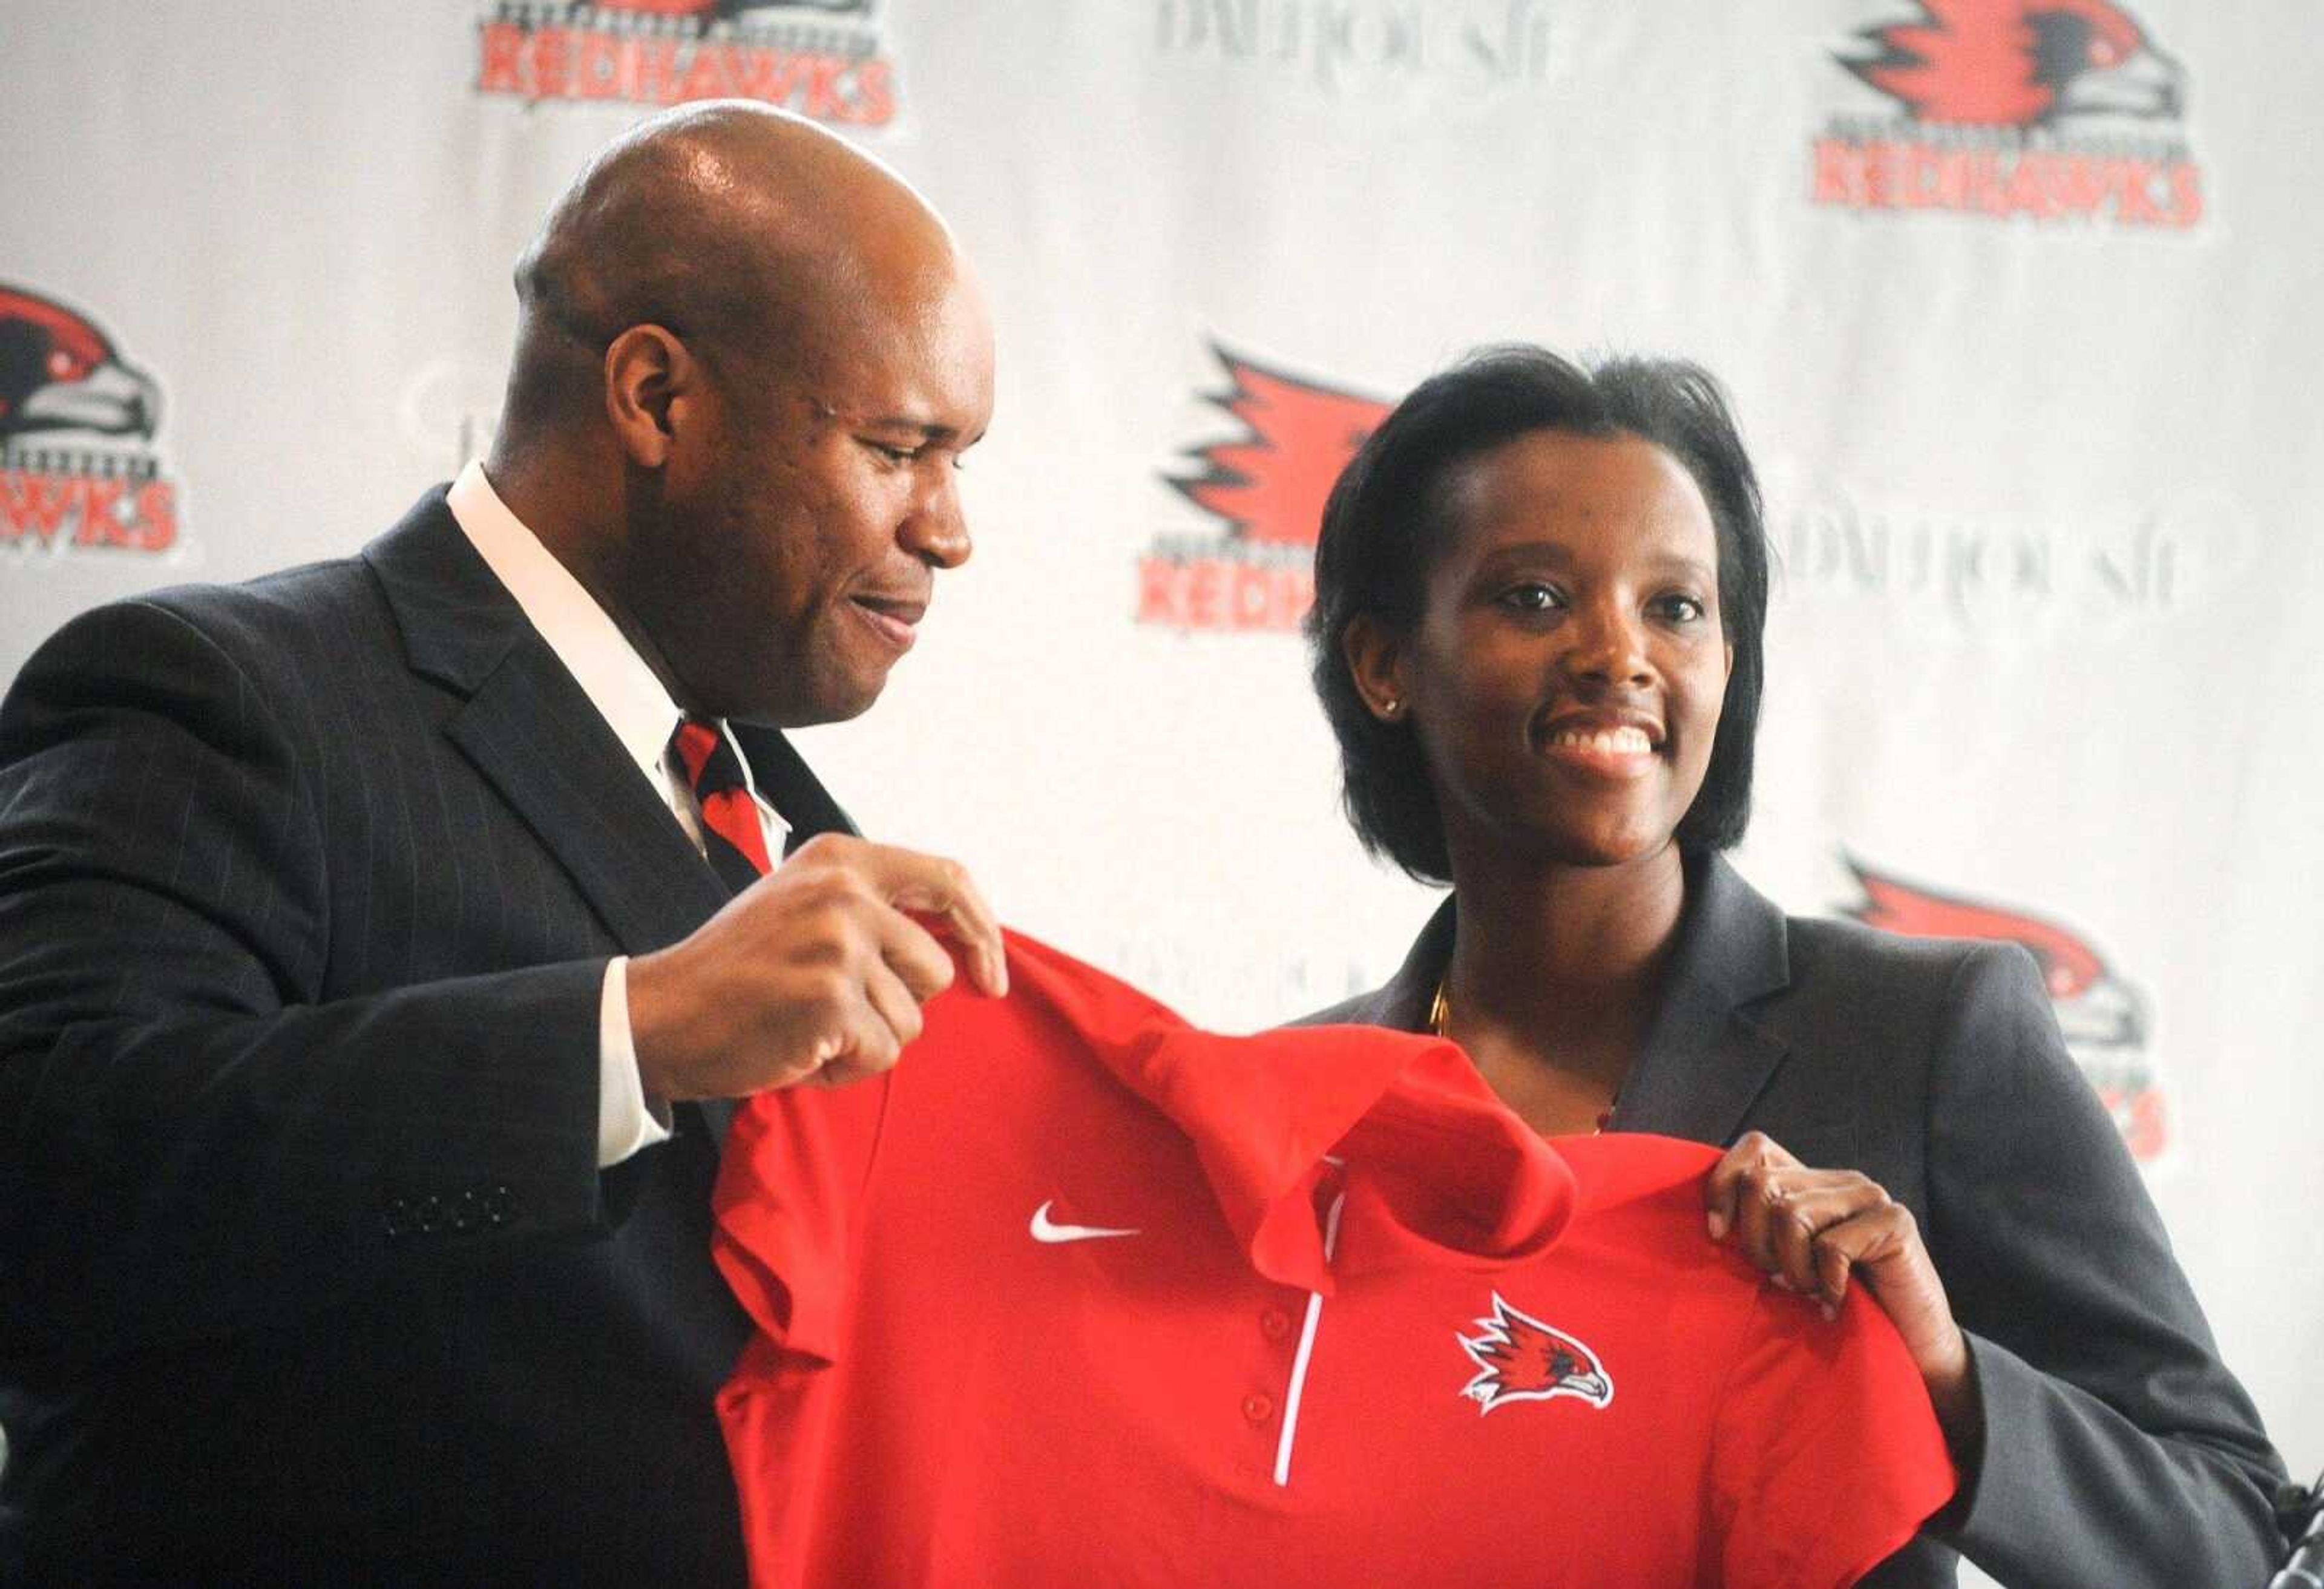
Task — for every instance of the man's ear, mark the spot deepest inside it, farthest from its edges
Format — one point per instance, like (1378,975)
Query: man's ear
(1374,654)
(651,383)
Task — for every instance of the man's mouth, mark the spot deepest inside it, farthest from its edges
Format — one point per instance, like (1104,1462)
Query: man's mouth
(894,618)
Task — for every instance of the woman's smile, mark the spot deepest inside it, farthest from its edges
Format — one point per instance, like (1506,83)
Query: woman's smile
(1615,748)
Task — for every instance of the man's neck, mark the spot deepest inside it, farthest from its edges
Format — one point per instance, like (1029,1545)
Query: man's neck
(566,514)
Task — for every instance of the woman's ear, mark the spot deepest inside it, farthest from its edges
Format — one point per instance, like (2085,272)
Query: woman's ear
(651,383)
(1375,658)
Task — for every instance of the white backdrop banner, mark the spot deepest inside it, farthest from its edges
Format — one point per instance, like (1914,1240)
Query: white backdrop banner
(2018,307)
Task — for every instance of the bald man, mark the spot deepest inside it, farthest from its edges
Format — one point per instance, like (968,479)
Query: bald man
(379,940)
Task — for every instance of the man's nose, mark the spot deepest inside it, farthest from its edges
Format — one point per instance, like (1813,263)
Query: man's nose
(936,530)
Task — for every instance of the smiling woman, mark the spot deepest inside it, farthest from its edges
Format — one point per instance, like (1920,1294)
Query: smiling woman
(1565,673)
(1539,597)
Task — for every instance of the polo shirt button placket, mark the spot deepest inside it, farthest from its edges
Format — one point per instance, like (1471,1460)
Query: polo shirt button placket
(1276,1325)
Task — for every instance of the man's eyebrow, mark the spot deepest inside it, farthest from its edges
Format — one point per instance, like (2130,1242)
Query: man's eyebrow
(927,427)
(857,417)
(927,430)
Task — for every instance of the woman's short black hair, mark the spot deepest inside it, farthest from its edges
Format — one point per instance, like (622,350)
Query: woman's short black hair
(1384,526)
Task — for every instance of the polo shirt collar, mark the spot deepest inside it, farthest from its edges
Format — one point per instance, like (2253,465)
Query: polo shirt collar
(1435,1172)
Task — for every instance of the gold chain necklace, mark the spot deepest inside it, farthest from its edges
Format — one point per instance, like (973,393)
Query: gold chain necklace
(1439,1017)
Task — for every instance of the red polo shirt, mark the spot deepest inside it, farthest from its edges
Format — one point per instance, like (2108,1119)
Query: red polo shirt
(1080,1295)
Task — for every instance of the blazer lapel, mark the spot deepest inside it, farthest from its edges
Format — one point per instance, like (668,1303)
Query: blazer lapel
(1406,1000)
(537,738)
(1704,1060)
(533,734)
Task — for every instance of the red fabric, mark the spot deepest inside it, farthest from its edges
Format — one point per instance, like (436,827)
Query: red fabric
(936,1397)
(727,808)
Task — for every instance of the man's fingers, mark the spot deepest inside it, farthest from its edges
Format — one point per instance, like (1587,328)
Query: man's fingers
(883,1014)
(870,1043)
(934,885)
(893,1001)
(913,959)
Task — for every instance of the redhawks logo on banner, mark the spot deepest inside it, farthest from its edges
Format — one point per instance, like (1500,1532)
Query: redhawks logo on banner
(1264,488)
(78,469)
(2103,1017)
(2047,110)
(824,59)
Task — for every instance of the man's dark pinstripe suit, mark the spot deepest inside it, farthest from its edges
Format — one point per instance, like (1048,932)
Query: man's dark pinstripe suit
(307,1268)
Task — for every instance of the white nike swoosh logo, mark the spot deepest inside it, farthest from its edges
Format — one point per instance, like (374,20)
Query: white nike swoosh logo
(1046,1229)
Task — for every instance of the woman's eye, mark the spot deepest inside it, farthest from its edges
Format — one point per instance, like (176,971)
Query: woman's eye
(1531,597)
(1681,608)
(892,453)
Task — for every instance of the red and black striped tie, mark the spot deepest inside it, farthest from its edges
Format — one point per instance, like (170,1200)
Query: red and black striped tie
(732,837)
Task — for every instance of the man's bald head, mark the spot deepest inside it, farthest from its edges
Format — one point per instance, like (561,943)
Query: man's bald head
(750,234)
(748,364)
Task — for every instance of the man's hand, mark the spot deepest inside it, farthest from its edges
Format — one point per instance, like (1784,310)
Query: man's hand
(1808,1230)
(812,973)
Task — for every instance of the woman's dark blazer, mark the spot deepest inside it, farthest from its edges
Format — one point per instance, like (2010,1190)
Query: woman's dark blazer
(2118,1450)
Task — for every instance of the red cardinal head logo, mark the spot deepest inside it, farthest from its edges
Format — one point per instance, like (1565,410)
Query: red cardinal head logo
(2102,1017)
(1269,483)
(2070,967)
(2020,63)
(721,9)
(60,373)
(1519,1358)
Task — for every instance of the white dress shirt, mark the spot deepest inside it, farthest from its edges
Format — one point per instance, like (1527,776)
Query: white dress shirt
(643,717)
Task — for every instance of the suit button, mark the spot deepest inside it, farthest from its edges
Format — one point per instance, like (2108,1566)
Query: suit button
(395,1219)
(430,1215)
(1258,1408)
(500,1205)
(467,1211)
(1275,1324)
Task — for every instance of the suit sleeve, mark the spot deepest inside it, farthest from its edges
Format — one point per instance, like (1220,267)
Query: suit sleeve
(192,1141)
(2118,1450)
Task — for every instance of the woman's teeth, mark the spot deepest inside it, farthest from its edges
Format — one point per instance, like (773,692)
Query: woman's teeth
(1610,741)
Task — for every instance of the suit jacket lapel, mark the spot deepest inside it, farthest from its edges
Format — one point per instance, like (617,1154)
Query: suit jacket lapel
(534,735)
(1404,1001)
(1704,1062)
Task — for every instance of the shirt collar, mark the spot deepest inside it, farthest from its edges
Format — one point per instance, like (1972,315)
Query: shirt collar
(1435,1170)
(594,650)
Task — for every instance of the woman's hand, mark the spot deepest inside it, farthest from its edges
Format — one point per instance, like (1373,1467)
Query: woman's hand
(1808,1230)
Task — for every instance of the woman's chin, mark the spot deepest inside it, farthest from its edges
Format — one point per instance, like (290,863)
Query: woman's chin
(1598,849)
